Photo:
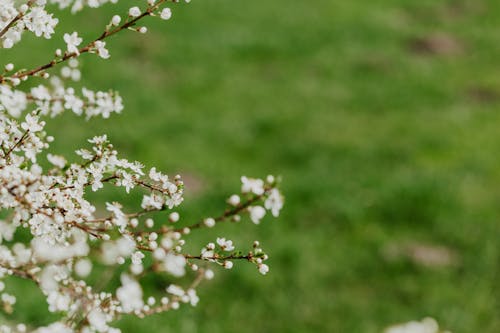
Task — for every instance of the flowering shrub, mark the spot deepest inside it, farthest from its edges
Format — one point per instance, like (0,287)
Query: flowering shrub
(67,237)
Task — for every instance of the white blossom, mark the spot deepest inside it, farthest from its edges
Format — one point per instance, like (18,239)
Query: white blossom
(101,49)
(134,11)
(130,294)
(72,41)
(57,160)
(226,245)
(253,185)
(175,264)
(274,202)
(166,14)
(256,213)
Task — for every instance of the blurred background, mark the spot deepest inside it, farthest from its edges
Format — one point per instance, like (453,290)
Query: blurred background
(383,118)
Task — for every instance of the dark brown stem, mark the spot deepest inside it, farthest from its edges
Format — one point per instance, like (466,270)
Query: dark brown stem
(227,213)
(216,257)
(18,142)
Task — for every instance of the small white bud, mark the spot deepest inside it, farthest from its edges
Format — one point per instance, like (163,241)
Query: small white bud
(234,200)
(115,20)
(209,222)
(173,217)
(9,67)
(166,14)
(263,269)
(134,11)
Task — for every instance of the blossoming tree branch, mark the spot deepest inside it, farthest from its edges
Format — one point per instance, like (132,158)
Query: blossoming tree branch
(67,237)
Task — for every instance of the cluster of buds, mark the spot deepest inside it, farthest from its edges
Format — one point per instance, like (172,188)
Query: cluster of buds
(52,234)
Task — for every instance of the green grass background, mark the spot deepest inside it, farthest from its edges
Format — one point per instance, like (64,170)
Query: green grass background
(378,142)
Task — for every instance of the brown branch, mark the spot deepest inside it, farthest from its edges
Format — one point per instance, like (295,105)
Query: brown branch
(85,49)
(15,19)
(248,257)
(18,142)
(19,272)
(227,213)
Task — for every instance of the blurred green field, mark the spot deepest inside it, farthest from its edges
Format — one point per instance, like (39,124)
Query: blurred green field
(383,118)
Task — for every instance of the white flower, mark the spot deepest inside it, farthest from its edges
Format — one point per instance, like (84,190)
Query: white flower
(119,218)
(193,297)
(274,202)
(32,124)
(57,160)
(134,11)
(175,290)
(58,301)
(98,320)
(101,50)
(115,20)
(263,269)
(40,22)
(209,222)
(137,257)
(234,200)
(130,294)
(253,185)
(226,245)
(173,217)
(166,14)
(256,213)
(207,253)
(174,200)
(152,202)
(14,101)
(72,42)
(175,264)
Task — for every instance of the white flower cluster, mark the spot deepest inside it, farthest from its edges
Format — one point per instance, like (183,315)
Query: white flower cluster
(53,235)
(29,16)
